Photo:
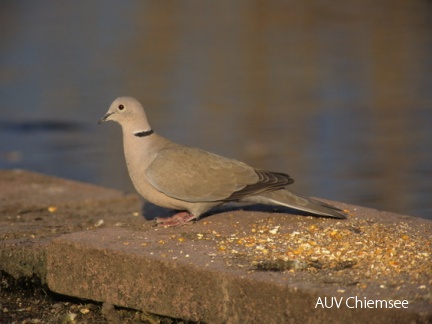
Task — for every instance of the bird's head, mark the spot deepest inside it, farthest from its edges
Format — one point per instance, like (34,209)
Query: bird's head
(128,112)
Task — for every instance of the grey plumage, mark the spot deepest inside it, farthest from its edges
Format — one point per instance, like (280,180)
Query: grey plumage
(192,180)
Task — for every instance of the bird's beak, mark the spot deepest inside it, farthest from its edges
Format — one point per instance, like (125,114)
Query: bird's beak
(104,118)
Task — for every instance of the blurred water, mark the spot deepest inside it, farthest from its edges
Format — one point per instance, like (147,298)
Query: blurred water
(338,95)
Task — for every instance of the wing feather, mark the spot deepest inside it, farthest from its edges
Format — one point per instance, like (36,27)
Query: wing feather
(194,175)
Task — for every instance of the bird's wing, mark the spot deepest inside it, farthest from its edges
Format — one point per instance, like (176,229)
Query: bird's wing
(194,175)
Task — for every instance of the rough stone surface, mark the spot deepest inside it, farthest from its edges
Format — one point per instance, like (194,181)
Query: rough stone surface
(189,280)
(35,208)
(251,264)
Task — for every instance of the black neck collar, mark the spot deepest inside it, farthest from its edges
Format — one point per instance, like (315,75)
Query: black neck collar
(144,133)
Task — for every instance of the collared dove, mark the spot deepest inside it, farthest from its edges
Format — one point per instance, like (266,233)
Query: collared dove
(193,181)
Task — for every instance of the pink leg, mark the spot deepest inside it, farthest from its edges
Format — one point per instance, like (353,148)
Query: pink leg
(175,220)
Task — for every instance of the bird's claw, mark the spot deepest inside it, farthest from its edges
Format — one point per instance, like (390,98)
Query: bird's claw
(178,219)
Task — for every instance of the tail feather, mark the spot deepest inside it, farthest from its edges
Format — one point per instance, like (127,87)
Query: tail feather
(286,198)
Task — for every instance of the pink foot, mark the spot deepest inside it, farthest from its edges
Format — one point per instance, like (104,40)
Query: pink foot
(175,220)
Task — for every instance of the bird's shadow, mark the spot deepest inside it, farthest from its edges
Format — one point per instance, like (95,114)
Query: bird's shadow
(151,211)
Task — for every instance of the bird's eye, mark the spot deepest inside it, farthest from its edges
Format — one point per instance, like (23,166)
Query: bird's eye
(120,107)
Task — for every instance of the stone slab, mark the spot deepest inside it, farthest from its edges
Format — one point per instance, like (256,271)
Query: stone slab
(22,190)
(34,208)
(185,273)
(240,264)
